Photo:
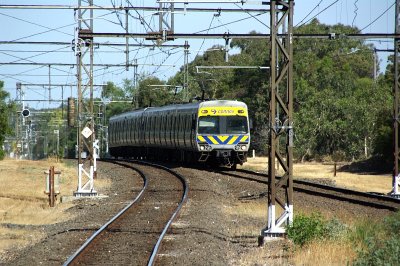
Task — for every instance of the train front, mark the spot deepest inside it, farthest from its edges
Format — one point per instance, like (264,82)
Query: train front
(223,135)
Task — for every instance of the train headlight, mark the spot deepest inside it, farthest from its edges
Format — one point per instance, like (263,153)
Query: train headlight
(205,147)
(240,147)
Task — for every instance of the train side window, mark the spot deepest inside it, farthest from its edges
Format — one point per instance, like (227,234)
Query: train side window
(124,131)
(119,130)
(132,132)
(151,126)
(137,123)
(135,119)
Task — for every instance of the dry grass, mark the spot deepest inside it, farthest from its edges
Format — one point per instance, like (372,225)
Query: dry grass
(325,253)
(22,199)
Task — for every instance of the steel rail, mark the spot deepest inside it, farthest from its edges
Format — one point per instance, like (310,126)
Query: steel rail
(338,189)
(177,210)
(174,215)
(348,192)
(98,232)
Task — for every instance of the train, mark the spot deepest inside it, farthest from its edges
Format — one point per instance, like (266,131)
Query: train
(211,132)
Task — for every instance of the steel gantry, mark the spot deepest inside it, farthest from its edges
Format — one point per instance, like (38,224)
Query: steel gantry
(281,120)
(87,146)
(396,105)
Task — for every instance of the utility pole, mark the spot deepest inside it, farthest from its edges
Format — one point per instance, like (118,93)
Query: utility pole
(135,84)
(186,72)
(281,124)
(18,129)
(87,150)
(396,105)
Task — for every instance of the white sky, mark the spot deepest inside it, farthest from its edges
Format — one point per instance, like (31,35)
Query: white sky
(37,25)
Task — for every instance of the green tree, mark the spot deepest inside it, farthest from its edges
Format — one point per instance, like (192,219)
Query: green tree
(5,109)
(337,98)
(154,92)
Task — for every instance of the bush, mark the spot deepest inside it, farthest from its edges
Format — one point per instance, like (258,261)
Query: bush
(335,229)
(304,229)
(379,247)
(380,253)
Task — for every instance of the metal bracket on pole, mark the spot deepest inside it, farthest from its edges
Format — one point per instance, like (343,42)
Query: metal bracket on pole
(280,209)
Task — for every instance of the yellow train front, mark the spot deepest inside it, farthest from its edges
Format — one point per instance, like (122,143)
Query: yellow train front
(223,135)
(215,132)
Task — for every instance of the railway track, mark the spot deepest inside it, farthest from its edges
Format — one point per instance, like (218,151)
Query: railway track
(335,193)
(134,235)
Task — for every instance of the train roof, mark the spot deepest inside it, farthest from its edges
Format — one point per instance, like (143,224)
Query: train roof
(186,106)
(222,103)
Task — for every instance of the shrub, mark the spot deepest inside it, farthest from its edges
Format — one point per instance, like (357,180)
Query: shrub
(380,253)
(379,247)
(304,229)
(335,229)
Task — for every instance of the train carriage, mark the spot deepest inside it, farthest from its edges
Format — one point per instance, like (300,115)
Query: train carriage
(209,131)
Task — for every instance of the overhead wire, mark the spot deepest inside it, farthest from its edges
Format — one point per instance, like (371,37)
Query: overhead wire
(36,24)
(355,12)
(309,13)
(320,12)
(209,27)
(253,16)
(377,18)
(228,23)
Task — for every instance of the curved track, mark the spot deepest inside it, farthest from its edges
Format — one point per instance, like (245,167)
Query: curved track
(320,190)
(136,232)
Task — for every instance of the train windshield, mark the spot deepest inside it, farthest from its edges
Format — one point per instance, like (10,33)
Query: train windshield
(236,125)
(223,125)
(209,125)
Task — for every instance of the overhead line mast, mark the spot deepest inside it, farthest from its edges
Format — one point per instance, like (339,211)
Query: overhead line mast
(396,105)
(88,149)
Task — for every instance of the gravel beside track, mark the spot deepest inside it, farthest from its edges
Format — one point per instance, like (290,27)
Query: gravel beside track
(209,231)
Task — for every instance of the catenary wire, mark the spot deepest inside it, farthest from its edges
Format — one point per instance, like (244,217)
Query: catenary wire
(309,13)
(323,10)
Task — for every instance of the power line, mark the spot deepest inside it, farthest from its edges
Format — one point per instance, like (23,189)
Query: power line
(384,12)
(323,10)
(355,12)
(310,12)
(33,23)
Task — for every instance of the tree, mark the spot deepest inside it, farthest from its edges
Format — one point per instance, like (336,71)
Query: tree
(5,109)
(154,92)
(336,96)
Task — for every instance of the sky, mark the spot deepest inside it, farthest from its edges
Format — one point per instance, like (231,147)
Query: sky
(50,25)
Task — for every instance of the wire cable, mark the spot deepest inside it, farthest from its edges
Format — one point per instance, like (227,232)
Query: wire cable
(228,23)
(209,27)
(381,15)
(309,13)
(323,10)
(253,16)
(36,24)
(355,13)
